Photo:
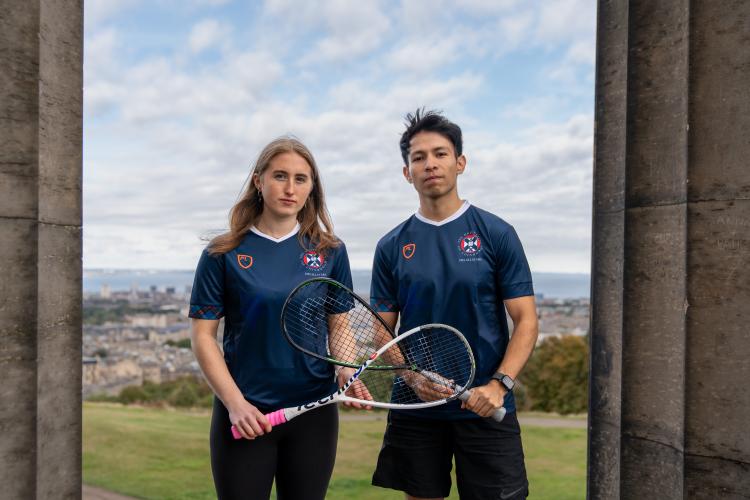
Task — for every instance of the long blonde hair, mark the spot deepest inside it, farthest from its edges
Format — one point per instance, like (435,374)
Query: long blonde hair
(315,222)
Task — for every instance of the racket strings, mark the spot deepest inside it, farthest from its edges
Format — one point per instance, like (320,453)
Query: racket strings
(441,365)
(329,322)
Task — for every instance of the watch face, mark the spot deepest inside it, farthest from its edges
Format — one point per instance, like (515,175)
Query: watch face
(505,380)
(508,382)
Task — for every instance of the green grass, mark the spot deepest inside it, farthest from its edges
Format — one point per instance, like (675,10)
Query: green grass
(163,454)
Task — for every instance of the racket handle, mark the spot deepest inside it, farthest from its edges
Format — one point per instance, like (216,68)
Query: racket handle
(499,414)
(274,418)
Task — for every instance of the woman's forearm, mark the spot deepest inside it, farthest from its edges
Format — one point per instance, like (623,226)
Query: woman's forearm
(214,367)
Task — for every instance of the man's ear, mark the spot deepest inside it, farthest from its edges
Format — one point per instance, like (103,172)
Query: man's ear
(407,174)
(460,164)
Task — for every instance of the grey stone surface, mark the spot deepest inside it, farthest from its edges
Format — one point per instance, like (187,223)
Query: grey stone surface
(679,426)
(58,421)
(19,105)
(653,348)
(606,358)
(709,478)
(607,252)
(657,102)
(40,254)
(718,396)
(61,107)
(719,105)
(18,209)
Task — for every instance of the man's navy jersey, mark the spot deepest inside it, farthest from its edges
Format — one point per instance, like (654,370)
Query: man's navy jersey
(248,286)
(458,272)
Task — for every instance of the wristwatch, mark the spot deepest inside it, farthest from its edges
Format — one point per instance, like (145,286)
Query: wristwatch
(504,380)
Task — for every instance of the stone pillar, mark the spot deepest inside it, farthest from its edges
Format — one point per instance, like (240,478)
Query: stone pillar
(41,45)
(670,381)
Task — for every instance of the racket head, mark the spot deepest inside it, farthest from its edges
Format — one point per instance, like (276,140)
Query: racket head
(325,319)
(439,366)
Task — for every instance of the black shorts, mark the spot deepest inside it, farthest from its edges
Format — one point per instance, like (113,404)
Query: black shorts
(417,457)
(299,455)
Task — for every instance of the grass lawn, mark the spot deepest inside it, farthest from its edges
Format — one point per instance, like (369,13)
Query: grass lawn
(163,454)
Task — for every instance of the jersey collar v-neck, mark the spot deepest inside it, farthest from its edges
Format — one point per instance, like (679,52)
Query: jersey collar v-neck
(458,213)
(276,240)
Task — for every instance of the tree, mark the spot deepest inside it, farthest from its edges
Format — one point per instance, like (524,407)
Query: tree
(556,377)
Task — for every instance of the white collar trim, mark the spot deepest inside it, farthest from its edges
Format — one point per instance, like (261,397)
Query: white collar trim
(275,240)
(458,213)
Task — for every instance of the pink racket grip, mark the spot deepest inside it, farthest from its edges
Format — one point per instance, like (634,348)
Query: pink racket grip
(274,418)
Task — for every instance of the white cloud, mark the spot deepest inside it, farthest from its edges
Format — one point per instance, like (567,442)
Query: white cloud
(516,27)
(566,20)
(160,89)
(542,186)
(206,34)
(582,52)
(182,125)
(353,29)
(406,95)
(483,7)
(210,3)
(421,56)
(99,11)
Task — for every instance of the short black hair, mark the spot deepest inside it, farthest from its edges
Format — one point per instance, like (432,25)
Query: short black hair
(430,121)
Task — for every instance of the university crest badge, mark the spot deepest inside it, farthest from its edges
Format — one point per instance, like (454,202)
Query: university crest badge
(313,260)
(470,244)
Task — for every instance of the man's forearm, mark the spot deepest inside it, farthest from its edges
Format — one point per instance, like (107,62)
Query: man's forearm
(519,349)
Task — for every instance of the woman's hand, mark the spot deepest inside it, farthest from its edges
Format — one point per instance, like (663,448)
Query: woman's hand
(248,420)
(357,390)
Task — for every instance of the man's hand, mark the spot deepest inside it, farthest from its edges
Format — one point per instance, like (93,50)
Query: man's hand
(486,399)
(426,389)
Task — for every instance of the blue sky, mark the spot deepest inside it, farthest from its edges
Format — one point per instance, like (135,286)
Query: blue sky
(180,96)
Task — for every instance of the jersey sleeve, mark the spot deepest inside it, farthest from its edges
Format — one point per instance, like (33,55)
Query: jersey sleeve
(512,271)
(341,271)
(383,288)
(207,298)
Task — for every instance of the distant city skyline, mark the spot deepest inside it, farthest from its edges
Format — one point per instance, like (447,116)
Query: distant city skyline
(180,96)
(556,285)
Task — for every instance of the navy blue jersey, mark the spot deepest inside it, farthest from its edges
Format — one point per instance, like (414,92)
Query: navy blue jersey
(458,272)
(247,287)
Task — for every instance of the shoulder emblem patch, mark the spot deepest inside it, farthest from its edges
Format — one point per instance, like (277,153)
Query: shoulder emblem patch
(408,250)
(245,261)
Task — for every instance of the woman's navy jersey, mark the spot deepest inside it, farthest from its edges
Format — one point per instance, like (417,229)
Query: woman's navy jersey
(248,286)
(458,272)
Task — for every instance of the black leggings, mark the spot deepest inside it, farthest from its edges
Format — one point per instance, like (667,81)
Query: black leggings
(300,454)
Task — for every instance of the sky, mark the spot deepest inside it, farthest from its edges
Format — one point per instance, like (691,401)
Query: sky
(180,96)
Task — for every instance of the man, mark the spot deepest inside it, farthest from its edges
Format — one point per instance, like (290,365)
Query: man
(454,263)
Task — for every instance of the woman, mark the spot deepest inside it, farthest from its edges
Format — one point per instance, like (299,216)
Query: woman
(280,235)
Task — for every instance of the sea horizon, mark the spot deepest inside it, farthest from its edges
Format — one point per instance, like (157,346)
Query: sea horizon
(549,285)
